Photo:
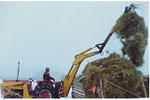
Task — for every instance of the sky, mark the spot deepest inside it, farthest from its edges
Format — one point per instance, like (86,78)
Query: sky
(50,34)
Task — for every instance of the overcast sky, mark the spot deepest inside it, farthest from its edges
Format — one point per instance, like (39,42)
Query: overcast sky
(50,34)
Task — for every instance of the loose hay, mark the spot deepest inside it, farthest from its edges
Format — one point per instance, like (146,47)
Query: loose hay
(133,33)
(116,69)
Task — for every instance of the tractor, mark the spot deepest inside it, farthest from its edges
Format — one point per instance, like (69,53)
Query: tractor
(48,89)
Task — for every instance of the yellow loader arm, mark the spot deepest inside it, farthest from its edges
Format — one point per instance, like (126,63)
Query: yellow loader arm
(67,82)
(74,68)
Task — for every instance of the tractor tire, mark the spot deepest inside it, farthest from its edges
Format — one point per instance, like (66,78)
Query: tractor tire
(11,96)
(44,90)
(58,90)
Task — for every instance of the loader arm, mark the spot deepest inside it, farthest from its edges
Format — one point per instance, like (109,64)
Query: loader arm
(67,82)
(74,68)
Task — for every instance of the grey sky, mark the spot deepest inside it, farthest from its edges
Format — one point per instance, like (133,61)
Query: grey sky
(50,34)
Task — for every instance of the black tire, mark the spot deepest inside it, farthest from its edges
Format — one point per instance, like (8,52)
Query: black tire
(43,87)
(58,90)
(11,96)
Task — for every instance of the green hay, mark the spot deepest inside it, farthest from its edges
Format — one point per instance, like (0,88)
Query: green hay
(116,69)
(133,33)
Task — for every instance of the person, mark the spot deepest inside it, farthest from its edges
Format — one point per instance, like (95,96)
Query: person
(46,75)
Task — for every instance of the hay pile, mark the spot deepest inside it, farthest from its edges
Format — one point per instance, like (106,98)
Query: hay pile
(117,70)
(133,33)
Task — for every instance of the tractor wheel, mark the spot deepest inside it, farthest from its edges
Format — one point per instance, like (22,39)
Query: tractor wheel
(44,90)
(11,96)
(58,90)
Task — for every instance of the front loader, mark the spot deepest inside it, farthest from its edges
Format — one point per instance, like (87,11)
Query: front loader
(46,89)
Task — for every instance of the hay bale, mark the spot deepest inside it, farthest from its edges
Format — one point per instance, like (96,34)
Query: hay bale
(116,69)
(133,33)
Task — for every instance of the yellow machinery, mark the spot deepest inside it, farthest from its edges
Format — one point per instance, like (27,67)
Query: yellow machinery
(78,59)
(7,88)
(61,88)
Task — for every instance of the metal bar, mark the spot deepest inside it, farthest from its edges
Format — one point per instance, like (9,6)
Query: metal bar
(144,89)
(18,70)
(101,86)
(105,42)
(125,90)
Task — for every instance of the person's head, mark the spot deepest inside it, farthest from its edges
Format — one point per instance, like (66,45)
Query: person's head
(47,69)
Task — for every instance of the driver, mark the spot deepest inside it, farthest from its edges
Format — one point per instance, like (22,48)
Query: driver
(46,75)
